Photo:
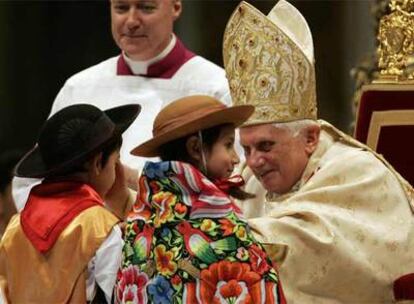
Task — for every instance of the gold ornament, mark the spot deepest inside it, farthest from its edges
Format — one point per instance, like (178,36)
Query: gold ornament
(266,68)
(396,43)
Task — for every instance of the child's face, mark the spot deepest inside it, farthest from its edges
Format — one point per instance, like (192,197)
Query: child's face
(222,158)
(107,175)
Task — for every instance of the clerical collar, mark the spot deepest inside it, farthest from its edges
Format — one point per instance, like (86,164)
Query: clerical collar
(165,65)
(141,67)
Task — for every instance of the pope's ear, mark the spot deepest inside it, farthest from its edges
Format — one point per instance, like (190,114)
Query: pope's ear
(193,148)
(312,133)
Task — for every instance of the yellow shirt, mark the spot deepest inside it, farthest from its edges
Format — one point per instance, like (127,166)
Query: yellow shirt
(59,276)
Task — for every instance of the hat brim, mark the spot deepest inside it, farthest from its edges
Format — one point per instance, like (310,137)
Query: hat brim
(233,115)
(33,166)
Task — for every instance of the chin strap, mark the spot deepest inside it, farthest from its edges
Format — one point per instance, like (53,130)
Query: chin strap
(203,156)
(224,184)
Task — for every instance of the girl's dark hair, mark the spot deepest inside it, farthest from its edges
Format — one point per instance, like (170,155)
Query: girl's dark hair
(176,150)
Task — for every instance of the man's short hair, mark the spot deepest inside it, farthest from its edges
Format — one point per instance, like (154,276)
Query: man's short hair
(295,127)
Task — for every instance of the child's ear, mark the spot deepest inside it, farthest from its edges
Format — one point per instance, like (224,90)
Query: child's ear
(193,148)
(95,164)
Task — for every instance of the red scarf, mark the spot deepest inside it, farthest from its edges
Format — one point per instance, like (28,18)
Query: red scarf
(51,207)
(225,184)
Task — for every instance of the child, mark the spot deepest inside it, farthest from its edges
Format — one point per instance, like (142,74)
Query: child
(185,240)
(65,241)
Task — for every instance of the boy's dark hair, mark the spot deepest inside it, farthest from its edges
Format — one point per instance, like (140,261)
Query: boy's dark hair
(106,150)
(176,151)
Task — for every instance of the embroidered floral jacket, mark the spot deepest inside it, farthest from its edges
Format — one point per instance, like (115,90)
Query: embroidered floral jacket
(186,242)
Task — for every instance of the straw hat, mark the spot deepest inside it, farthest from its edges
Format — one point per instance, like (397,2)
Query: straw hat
(72,135)
(187,116)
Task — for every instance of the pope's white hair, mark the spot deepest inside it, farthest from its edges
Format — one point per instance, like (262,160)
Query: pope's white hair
(295,127)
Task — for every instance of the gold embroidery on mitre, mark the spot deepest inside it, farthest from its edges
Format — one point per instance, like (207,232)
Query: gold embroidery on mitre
(265,68)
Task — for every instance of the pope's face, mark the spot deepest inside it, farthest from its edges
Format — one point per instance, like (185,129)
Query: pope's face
(276,156)
(143,28)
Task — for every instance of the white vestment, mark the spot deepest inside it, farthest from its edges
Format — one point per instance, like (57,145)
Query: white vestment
(347,230)
(101,86)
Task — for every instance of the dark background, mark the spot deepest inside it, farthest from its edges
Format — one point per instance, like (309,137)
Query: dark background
(42,43)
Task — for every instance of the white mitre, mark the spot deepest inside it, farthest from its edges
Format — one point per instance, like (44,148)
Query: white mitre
(294,25)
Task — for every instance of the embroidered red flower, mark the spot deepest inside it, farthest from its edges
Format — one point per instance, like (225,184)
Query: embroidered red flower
(131,287)
(226,226)
(176,281)
(180,209)
(164,261)
(231,289)
(258,260)
(230,282)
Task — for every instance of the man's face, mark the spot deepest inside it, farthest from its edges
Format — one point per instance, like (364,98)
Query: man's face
(143,28)
(276,157)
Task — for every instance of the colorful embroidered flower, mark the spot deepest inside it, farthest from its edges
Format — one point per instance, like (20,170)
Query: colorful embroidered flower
(258,259)
(230,282)
(166,233)
(226,226)
(241,233)
(163,203)
(160,291)
(242,254)
(153,170)
(140,210)
(176,282)
(180,210)
(231,290)
(208,225)
(131,287)
(164,261)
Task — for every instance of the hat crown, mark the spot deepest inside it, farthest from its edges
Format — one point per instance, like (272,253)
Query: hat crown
(72,131)
(73,135)
(184,110)
(187,116)
(269,63)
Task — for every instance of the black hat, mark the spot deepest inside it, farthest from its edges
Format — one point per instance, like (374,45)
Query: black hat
(72,135)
